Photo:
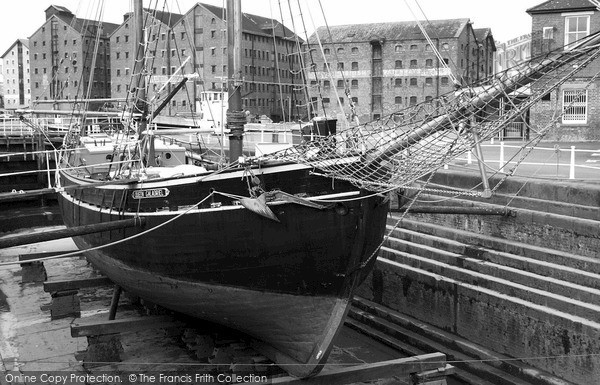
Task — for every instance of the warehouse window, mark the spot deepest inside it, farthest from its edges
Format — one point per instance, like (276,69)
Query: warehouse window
(575,106)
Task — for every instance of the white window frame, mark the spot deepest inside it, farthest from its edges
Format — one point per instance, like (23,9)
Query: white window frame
(579,34)
(579,109)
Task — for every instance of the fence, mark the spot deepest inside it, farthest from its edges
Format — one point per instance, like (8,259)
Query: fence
(542,157)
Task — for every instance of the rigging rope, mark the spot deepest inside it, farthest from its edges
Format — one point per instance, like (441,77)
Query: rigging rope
(433,47)
(402,147)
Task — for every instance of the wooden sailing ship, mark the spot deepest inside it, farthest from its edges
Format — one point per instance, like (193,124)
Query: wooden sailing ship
(271,246)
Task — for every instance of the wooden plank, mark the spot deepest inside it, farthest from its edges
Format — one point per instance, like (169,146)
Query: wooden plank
(76,284)
(370,372)
(85,329)
(10,196)
(46,254)
(25,239)
(457,210)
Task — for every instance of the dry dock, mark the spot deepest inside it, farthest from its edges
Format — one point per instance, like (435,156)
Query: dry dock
(32,343)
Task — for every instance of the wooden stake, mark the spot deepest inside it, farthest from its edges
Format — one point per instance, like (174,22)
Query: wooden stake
(114,303)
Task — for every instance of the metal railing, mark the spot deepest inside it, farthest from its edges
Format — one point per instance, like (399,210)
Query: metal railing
(556,159)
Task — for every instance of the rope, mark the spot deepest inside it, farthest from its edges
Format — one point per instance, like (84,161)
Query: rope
(405,146)
(433,47)
(74,253)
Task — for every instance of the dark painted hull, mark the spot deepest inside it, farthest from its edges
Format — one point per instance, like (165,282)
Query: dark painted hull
(286,283)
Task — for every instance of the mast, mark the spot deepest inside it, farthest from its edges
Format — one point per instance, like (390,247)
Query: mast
(138,65)
(235,114)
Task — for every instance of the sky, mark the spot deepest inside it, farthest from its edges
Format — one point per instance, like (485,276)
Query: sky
(507,18)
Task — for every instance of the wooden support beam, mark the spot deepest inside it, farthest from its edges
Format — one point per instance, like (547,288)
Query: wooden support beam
(114,303)
(28,257)
(456,210)
(12,197)
(370,372)
(84,329)
(25,239)
(76,284)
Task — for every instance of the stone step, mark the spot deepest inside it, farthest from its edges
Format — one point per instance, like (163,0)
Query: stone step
(486,257)
(558,257)
(412,344)
(539,335)
(468,356)
(461,273)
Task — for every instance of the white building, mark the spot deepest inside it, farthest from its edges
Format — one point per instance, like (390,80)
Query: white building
(15,69)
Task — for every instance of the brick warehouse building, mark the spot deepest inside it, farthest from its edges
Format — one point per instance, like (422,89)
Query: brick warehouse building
(200,35)
(164,57)
(15,67)
(61,52)
(556,24)
(390,66)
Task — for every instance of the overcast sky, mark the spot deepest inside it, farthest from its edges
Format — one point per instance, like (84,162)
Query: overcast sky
(507,18)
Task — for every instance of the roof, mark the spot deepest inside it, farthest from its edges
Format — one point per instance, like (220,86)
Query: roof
(254,24)
(60,8)
(482,33)
(25,42)
(559,6)
(402,30)
(167,18)
(80,24)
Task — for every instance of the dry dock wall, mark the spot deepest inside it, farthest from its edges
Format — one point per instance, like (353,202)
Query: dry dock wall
(526,286)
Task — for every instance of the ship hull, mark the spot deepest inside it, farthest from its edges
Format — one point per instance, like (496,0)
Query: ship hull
(286,282)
